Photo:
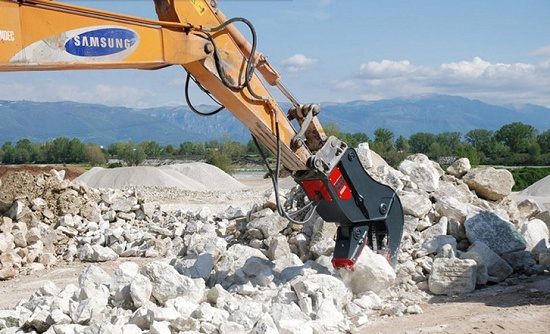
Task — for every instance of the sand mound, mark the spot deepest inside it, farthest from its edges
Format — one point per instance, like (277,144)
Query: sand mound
(120,177)
(210,176)
(539,188)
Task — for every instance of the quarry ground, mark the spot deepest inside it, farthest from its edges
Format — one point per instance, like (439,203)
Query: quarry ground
(522,307)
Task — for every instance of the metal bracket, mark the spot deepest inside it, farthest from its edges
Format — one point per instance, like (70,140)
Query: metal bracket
(304,115)
(328,156)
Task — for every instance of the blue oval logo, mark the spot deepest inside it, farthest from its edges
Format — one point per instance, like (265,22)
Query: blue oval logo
(101,42)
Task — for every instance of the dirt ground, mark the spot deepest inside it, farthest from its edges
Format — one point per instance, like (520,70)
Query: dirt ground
(523,307)
(71,172)
(520,308)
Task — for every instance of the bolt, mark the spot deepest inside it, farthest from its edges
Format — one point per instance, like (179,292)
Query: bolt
(318,163)
(383,208)
(357,234)
(208,48)
(351,156)
(297,142)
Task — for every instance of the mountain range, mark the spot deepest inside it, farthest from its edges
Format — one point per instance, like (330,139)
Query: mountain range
(100,124)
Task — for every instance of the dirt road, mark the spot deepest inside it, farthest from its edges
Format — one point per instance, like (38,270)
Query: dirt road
(521,308)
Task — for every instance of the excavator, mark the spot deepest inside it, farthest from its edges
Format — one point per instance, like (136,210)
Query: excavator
(38,35)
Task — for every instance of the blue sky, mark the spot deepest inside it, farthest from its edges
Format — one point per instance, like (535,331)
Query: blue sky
(338,51)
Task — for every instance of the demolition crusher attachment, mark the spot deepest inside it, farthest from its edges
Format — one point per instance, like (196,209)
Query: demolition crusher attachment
(367,212)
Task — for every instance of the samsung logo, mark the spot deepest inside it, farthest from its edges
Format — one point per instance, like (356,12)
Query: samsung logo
(101,42)
(7,35)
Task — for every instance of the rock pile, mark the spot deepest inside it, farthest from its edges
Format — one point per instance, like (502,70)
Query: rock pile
(462,230)
(246,269)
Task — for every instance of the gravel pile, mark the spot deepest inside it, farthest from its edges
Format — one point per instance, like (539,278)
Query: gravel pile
(539,188)
(189,176)
(99,177)
(210,176)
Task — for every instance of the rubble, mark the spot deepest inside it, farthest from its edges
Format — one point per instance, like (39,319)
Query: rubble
(246,269)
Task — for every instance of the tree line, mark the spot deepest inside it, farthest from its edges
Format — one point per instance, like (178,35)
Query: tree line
(514,144)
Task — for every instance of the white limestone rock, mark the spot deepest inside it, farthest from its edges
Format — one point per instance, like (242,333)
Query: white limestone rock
(436,230)
(231,327)
(278,248)
(372,273)
(453,208)
(247,314)
(289,318)
(90,309)
(459,168)
(490,183)
(322,247)
(270,226)
(434,245)
(232,259)
(535,233)
(142,317)
(94,276)
(288,267)
(415,203)
(319,287)
(206,313)
(206,243)
(141,289)
(168,283)
(421,171)
(195,266)
(102,254)
(124,204)
(365,156)
(265,325)
(451,275)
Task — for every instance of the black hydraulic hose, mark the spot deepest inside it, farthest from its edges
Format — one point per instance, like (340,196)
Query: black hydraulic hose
(274,175)
(190,104)
(249,70)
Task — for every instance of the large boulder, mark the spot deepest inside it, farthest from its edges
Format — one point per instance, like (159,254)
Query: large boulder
(535,233)
(500,235)
(451,275)
(372,273)
(167,283)
(421,171)
(490,183)
(497,268)
(415,203)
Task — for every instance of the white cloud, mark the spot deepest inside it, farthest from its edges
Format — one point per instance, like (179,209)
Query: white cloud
(298,62)
(391,69)
(498,83)
(479,69)
(543,52)
(96,93)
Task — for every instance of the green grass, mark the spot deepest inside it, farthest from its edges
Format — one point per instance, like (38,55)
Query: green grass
(526,176)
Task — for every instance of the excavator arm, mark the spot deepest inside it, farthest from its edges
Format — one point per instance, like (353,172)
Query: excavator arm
(48,35)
